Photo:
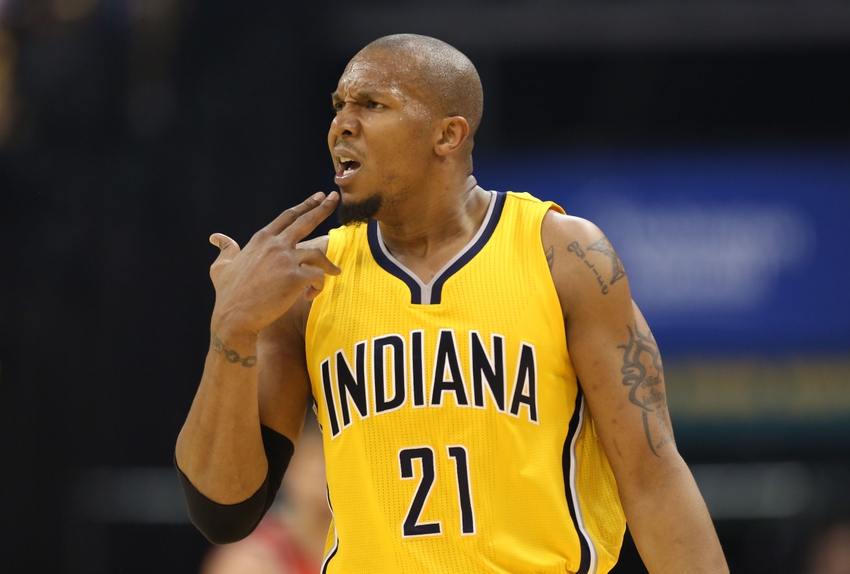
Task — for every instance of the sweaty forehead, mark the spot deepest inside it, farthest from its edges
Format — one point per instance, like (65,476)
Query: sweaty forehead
(376,71)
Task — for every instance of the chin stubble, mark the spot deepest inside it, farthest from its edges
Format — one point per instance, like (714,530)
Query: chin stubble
(358,211)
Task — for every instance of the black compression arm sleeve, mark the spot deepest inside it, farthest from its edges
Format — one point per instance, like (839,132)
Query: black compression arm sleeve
(225,523)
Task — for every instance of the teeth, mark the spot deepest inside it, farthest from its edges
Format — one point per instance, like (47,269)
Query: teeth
(345,159)
(347,171)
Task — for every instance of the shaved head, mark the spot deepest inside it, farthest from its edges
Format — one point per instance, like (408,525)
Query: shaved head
(406,109)
(441,72)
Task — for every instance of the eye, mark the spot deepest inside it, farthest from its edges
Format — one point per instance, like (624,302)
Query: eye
(375,105)
(338,106)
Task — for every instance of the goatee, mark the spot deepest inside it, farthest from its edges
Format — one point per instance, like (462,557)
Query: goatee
(358,211)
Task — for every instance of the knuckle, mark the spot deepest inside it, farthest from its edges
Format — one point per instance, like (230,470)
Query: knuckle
(278,244)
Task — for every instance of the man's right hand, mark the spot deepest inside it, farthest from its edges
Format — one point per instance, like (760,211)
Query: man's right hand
(256,285)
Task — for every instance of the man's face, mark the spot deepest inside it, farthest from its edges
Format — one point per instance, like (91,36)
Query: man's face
(380,138)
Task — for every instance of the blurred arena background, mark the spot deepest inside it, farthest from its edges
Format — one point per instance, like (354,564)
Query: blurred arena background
(709,138)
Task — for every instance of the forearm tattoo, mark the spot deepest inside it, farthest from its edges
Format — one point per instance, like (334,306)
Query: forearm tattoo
(230,355)
(644,375)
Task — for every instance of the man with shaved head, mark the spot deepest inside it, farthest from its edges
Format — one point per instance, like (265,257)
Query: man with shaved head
(491,399)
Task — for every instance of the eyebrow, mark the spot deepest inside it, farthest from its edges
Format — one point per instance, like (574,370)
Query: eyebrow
(363,94)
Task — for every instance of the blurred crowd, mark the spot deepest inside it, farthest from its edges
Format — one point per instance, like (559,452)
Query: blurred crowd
(291,538)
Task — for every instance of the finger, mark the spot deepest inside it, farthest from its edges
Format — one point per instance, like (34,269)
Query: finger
(314,257)
(306,223)
(311,293)
(315,282)
(228,247)
(286,218)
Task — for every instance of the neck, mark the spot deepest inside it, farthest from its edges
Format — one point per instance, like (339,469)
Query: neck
(430,228)
(430,223)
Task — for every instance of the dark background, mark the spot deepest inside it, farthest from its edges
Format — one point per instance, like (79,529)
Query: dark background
(132,130)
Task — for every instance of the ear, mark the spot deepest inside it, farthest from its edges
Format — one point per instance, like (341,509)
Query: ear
(454,131)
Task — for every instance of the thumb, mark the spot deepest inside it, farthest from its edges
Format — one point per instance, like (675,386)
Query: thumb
(229,248)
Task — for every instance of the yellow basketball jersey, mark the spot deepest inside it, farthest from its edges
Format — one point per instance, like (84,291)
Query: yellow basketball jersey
(455,432)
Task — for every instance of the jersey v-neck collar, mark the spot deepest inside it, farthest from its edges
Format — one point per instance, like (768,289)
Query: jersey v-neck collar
(430,293)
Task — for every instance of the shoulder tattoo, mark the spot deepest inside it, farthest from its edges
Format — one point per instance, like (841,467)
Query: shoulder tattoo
(604,246)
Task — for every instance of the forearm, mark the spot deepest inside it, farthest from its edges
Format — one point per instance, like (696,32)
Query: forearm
(670,524)
(230,466)
(220,448)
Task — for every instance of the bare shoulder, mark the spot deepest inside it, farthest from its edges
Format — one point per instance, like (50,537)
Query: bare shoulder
(558,227)
(320,243)
(583,262)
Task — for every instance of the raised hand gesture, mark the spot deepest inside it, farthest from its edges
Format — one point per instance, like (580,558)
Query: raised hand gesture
(256,285)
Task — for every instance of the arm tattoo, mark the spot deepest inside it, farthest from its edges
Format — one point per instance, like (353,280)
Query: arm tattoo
(230,355)
(604,246)
(574,247)
(643,373)
(550,256)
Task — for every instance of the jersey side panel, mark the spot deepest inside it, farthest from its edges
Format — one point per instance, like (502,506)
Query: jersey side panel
(597,486)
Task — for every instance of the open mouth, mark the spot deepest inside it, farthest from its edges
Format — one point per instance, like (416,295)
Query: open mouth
(347,166)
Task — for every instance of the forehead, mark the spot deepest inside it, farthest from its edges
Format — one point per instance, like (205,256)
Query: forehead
(374,71)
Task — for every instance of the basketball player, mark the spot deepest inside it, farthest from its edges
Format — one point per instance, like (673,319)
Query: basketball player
(491,399)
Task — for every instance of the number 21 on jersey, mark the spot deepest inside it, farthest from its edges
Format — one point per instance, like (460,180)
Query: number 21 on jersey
(411,526)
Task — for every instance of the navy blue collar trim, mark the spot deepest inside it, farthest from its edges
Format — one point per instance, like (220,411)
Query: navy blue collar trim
(391,266)
(418,290)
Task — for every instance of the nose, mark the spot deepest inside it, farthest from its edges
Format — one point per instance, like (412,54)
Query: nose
(345,122)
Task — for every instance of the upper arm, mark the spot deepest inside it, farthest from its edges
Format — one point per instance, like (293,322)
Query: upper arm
(284,382)
(612,350)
